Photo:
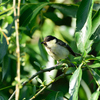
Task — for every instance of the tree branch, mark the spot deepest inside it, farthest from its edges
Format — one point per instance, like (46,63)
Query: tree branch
(62,75)
(17,44)
(33,76)
(41,71)
(4,36)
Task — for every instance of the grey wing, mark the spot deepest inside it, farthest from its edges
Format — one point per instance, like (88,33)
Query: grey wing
(70,50)
(66,46)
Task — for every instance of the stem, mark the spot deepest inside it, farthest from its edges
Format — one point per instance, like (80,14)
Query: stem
(62,75)
(41,71)
(4,36)
(17,44)
(6,10)
(36,74)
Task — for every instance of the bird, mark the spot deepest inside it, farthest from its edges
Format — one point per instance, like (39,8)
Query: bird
(56,48)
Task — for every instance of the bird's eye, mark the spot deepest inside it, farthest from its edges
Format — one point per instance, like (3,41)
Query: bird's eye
(43,43)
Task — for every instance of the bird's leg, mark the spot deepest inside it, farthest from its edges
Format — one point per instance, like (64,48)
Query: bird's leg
(71,62)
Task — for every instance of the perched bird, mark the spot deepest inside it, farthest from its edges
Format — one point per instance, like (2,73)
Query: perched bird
(56,48)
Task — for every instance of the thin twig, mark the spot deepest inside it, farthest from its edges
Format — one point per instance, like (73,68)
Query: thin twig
(4,36)
(36,74)
(12,95)
(6,10)
(62,75)
(39,72)
(17,44)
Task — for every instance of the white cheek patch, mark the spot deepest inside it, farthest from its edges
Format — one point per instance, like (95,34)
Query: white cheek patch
(51,43)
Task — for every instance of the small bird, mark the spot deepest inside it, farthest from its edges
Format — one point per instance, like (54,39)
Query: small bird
(56,48)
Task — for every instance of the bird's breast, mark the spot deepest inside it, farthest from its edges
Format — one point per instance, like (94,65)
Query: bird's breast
(57,52)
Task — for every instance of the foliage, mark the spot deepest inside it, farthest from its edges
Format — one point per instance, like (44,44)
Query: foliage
(77,23)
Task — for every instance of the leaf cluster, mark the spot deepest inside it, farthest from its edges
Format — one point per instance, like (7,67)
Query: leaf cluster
(76,23)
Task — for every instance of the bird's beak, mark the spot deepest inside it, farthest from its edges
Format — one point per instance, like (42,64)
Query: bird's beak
(42,42)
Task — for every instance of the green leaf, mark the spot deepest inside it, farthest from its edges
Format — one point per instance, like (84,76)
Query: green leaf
(83,13)
(67,10)
(70,70)
(47,31)
(29,12)
(96,65)
(9,19)
(39,80)
(2,8)
(55,96)
(95,21)
(1,98)
(75,83)
(5,66)
(28,17)
(90,57)
(86,90)
(96,35)
(95,95)
(36,63)
(96,76)
(53,17)
(3,49)
(29,50)
(83,24)
(96,39)
(3,43)
(1,38)
(98,57)
(42,51)
(4,24)
(34,89)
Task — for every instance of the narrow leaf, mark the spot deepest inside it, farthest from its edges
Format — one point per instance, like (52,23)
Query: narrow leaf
(95,95)
(90,57)
(70,70)
(55,96)
(74,84)
(83,24)
(96,65)
(9,19)
(96,34)
(83,13)
(3,49)
(96,76)
(96,21)
(29,12)
(68,10)
(39,80)
(5,66)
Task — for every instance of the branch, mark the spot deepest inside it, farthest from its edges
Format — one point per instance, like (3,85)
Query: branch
(62,75)
(6,10)
(4,36)
(41,71)
(17,44)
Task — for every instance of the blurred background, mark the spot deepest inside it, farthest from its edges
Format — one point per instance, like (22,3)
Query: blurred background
(49,21)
